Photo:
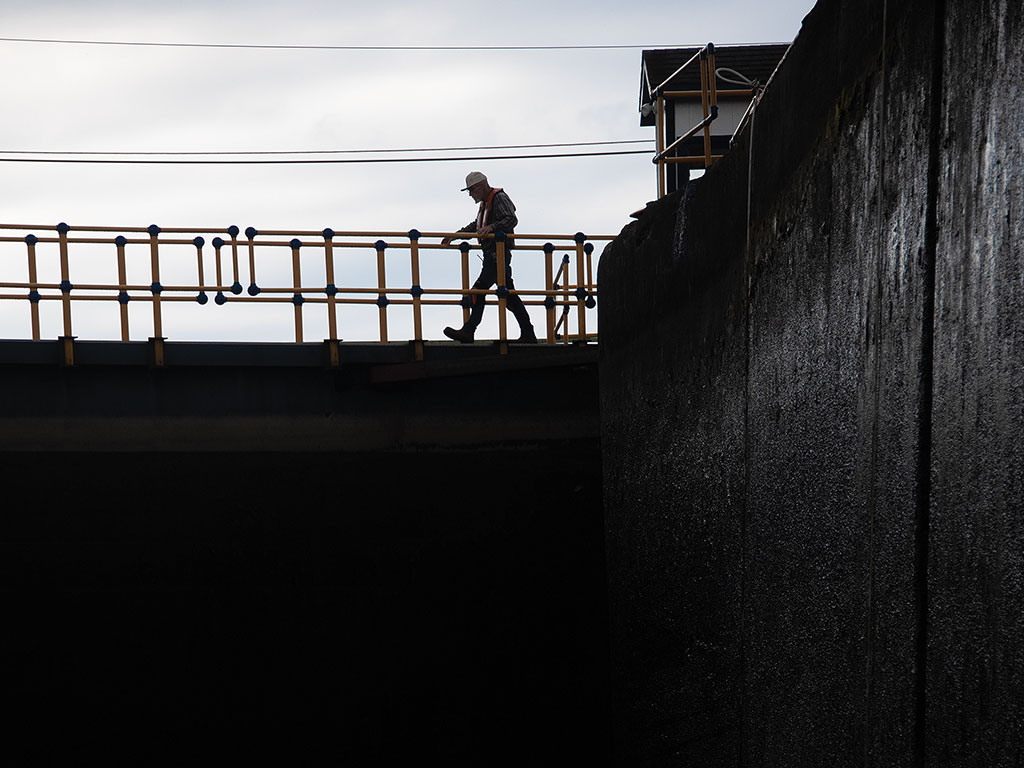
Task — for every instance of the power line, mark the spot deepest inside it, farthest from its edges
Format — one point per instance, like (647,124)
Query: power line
(332,161)
(338,47)
(333,151)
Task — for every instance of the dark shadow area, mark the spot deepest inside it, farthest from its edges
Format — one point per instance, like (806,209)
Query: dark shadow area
(427,607)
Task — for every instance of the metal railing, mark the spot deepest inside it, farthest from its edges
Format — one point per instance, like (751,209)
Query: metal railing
(708,95)
(568,293)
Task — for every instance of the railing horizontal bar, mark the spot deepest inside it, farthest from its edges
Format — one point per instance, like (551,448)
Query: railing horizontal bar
(571,239)
(97,240)
(290,291)
(284,300)
(689,134)
(557,295)
(694,94)
(199,230)
(692,160)
(337,233)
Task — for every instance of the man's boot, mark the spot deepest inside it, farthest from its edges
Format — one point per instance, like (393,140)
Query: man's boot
(527,335)
(463,334)
(518,309)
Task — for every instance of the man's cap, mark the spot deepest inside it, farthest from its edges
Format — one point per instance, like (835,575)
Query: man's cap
(473,178)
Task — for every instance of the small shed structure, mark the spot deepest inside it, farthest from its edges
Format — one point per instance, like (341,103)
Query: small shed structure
(682,78)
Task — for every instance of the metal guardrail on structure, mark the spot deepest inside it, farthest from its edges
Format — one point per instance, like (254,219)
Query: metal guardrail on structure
(708,95)
(569,287)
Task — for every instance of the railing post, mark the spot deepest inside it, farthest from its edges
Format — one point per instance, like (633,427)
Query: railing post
(467,300)
(33,287)
(253,289)
(705,105)
(332,302)
(549,288)
(660,143)
(154,261)
(588,248)
(219,298)
(590,301)
(581,290)
(65,289)
(382,291)
(122,285)
(297,298)
(501,291)
(712,77)
(236,285)
(564,321)
(416,291)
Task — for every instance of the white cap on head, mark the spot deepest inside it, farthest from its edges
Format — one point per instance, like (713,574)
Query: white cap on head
(473,178)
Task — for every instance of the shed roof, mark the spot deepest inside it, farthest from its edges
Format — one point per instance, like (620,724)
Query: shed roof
(755,62)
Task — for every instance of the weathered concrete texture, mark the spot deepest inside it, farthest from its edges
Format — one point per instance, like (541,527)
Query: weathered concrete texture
(767,414)
(672,426)
(975,703)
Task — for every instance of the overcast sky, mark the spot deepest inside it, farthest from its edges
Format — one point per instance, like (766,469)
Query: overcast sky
(65,97)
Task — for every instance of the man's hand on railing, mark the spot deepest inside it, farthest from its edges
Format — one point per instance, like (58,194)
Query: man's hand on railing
(485,230)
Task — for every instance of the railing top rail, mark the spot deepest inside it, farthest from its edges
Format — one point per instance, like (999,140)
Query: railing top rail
(702,52)
(294,232)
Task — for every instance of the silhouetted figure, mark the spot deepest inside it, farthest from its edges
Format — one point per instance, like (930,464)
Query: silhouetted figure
(497,213)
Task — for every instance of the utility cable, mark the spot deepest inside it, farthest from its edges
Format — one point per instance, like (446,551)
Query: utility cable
(339,47)
(332,161)
(330,151)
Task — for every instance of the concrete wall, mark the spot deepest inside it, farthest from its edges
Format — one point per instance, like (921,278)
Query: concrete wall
(811,372)
(389,563)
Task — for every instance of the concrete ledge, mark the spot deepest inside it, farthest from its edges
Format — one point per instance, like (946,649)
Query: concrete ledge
(291,354)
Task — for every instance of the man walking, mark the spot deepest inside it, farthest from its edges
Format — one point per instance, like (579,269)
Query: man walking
(496,213)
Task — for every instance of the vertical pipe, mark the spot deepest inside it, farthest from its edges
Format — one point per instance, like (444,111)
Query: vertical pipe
(464,247)
(217,245)
(659,133)
(588,248)
(297,298)
(122,285)
(198,242)
(565,299)
(712,77)
(705,106)
(581,295)
(253,290)
(236,285)
(155,287)
(65,278)
(502,291)
(417,291)
(382,291)
(332,292)
(549,288)
(33,288)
